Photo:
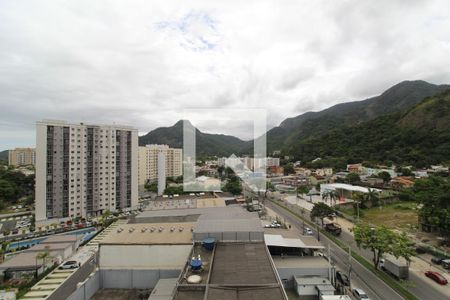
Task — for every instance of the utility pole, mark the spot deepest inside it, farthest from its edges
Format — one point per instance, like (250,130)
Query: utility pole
(357,211)
(318,233)
(349,265)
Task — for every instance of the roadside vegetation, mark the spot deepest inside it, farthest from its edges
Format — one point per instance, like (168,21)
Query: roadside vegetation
(15,188)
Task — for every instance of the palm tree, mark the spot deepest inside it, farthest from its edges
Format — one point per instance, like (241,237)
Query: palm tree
(43,256)
(358,200)
(332,195)
(372,196)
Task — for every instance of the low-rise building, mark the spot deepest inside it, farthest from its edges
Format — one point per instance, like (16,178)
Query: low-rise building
(402,182)
(355,168)
(325,172)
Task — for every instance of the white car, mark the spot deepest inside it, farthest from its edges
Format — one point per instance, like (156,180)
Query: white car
(308,231)
(360,294)
(71,264)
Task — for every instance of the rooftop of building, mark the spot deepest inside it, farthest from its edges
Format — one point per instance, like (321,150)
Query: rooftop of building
(345,186)
(55,246)
(228,225)
(227,212)
(65,123)
(237,271)
(25,261)
(306,242)
(150,234)
(183,202)
(67,238)
(300,262)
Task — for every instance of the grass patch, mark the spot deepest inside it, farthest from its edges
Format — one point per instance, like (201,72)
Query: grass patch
(367,264)
(401,215)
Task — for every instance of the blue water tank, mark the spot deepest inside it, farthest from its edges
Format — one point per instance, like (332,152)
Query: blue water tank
(196,264)
(208,243)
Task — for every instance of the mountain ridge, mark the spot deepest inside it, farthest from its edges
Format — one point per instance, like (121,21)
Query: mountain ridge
(399,98)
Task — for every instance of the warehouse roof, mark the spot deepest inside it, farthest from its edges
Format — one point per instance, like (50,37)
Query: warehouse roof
(243,264)
(234,225)
(344,186)
(299,242)
(300,262)
(150,234)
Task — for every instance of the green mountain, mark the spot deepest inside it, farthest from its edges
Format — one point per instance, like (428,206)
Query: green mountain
(206,143)
(346,132)
(419,136)
(400,97)
(4,155)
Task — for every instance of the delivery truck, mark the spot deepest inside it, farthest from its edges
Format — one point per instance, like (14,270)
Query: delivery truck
(397,268)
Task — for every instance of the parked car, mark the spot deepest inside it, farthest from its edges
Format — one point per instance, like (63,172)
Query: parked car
(360,294)
(308,231)
(436,277)
(71,264)
(437,260)
(421,250)
(446,263)
(342,278)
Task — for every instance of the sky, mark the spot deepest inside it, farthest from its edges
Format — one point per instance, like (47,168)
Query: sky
(143,63)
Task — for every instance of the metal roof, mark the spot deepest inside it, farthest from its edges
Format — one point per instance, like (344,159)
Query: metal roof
(224,225)
(303,242)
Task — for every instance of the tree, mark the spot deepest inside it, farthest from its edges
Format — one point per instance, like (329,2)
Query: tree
(288,169)
(378,240)
(151,187)
(43,256)
(403,247)
(385,176)
(321,211)
(372,196)
(358,200)
(332,195)
(302,189)
(381,240)
(269,187)
(353,178)
(406,172)
(433,194)
(233,186)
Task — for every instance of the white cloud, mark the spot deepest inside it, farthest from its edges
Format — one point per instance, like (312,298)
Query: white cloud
(142,62)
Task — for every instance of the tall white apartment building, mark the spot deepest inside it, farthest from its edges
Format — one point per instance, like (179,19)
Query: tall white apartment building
(83,170)
(149,158)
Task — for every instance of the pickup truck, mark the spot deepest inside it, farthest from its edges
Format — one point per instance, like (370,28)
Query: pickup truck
(333,228)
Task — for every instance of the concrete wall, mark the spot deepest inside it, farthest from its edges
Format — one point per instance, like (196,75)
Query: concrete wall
(144,257)
(88,288)
(135,279)
(290,273)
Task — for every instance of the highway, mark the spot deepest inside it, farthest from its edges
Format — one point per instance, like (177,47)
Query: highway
(421,287)
(370,283)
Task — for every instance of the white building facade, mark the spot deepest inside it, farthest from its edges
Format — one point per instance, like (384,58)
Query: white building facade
(83,170)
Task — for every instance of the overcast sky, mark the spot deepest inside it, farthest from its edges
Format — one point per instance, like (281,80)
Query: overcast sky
(141,63)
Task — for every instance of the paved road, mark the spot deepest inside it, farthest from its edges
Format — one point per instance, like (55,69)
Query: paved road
(371,284)
(421,287)
(70,285)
